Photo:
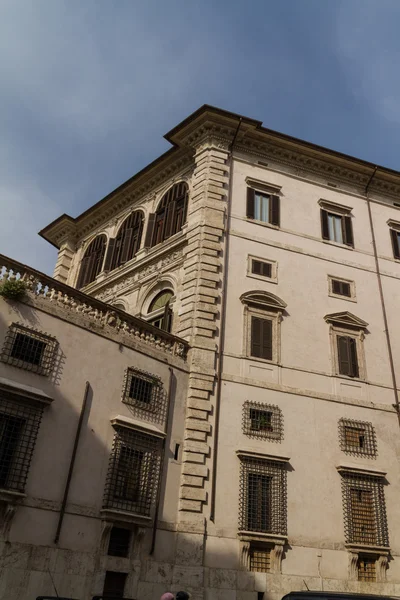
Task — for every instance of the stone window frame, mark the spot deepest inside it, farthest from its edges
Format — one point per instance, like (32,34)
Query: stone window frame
(347,324)
(157,391)
(276,433)
(263,305)
(274,542)
(148,440)
(342,211)
(381,551)
(274,269)
(47,359)
(370,450)
(351,298)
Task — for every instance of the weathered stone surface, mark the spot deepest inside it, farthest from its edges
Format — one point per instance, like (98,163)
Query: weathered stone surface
(192,434)
(190,480)
(198,470)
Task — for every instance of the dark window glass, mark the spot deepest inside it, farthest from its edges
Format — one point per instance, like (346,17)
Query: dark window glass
(341,288)
(27,349)
(259,502)
(10,433)
(169,216)
(92,262)
(141,390)
(261,268)
(119,542)
(114,584)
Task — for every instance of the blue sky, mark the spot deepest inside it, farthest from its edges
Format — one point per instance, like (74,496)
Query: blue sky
(89,88)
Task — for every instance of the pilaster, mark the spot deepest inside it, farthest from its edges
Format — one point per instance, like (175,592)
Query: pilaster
(64,261)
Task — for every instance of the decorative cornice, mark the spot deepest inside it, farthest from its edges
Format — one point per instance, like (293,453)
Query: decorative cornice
(346,319)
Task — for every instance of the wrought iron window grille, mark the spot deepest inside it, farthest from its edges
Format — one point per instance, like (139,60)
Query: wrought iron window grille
(133,472)
(29,349)
(364,508)
(366,568)
(262,421)
(19,426)
(143,390)
(259,558)
(357,437)
(262,496)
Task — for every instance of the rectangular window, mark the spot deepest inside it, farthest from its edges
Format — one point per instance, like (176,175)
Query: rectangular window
(142,389)
(119,542)
(114,584)
(341,288)
(262,420)
(19,426)
(28,349)
(395,237)
(337,228)
(260,558)
(259,267)
(365,512)
(262,495)
(263,207)
(133,471)
(366,568)
(261,338)
(357,437)
(347,355)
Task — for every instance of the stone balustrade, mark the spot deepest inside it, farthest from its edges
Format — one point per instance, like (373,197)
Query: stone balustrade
(69,300)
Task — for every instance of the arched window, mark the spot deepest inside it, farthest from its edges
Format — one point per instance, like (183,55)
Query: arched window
(92,261)
(127,243)
(169,216)
(160,312)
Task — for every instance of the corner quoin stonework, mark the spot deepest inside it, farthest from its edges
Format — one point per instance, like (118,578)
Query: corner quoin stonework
(199,315)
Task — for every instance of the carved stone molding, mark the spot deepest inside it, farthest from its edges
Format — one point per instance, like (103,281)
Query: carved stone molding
(106,527)
(381,567)
(7,513)
(245,555)
(353,566)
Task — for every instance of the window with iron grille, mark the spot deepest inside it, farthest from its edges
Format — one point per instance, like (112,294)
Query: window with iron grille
(133,471)
(364,509)
(119,542)
(29,349)
(262,500)
(260,558)
(114,584)
(142,389)
(357,437)
(366,568)
(262,420)
(19,426)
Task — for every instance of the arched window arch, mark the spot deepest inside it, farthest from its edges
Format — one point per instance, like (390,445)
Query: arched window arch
(92,261)
(169,216)
(159,311)
(127,242)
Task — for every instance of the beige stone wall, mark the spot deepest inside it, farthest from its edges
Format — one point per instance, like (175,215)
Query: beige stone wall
(78,562)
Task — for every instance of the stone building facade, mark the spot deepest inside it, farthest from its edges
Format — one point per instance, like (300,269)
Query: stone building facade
(277,262)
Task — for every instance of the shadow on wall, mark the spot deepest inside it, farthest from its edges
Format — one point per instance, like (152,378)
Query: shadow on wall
(32,563)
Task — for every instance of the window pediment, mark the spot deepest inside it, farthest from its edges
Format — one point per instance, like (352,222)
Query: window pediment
(263,299)
(346,319)
(335,207)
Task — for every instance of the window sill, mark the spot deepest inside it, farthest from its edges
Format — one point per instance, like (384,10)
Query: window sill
(339,297)
(262,360)
(367,548)
(348,378)
(262,278)
(120,516)
(338,245)
(10,496)
(256,536)
(263,223)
